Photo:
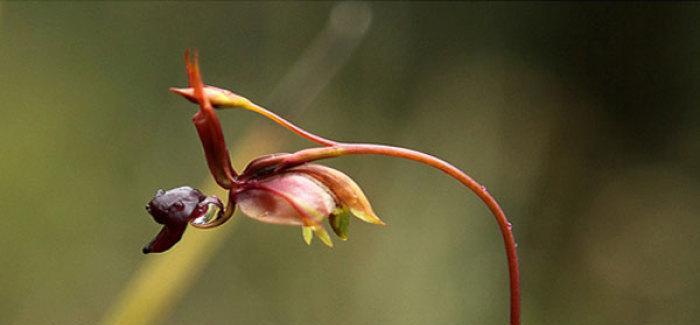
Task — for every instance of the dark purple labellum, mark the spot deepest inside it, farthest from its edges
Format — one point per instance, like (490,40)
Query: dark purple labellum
(174,209)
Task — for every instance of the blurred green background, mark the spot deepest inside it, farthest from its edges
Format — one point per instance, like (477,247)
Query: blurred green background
(582,120)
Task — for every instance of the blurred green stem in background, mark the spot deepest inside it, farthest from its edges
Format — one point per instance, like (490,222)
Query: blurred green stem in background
(162,280)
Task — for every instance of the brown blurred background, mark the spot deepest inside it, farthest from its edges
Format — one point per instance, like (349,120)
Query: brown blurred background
(582,119)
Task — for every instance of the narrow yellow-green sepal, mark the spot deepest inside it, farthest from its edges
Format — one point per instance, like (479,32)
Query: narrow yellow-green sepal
(340,220)
(323,235)
(369,217)
(308,234)
(219,98)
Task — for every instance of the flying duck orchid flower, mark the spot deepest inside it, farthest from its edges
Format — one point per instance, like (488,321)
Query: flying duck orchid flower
(301,195)
(287,188)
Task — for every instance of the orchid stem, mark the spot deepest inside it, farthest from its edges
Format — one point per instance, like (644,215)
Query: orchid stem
(248,105)
(336,149)
(505,227)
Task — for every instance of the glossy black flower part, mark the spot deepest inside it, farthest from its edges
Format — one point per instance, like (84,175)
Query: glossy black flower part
(174,209)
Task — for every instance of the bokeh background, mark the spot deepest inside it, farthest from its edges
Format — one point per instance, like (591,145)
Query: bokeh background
(582,119)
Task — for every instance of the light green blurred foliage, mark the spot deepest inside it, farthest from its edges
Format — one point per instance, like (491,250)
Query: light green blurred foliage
(582,119)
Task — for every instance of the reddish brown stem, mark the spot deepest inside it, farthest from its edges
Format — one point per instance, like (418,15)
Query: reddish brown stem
(312,154)
(288,125)
(335,149)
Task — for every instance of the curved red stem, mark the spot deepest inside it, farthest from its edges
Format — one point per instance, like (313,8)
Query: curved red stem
(289,125)
(335,149)
(504,225)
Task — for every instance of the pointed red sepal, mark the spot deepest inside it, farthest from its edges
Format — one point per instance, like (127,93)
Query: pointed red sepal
(209,129)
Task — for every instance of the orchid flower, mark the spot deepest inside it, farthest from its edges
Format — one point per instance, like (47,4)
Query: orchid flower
(288,188)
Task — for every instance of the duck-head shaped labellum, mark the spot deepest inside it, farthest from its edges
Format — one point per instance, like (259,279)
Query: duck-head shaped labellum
(174,209)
